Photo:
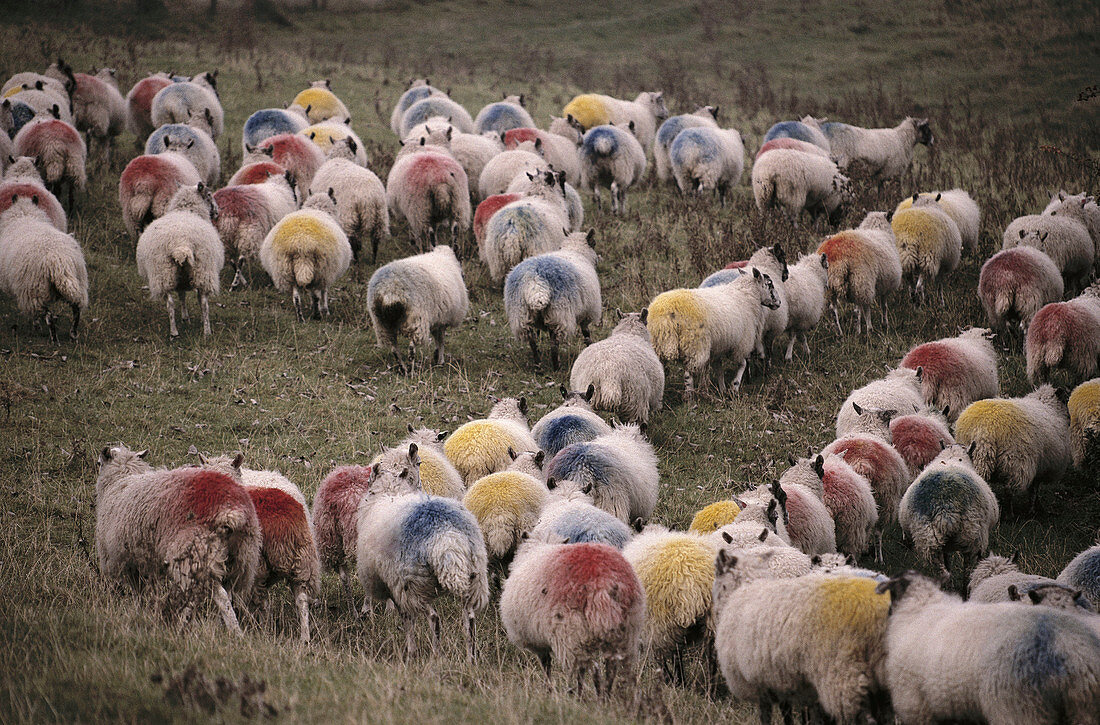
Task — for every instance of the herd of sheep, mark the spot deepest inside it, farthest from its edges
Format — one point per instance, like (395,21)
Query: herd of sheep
(554,520)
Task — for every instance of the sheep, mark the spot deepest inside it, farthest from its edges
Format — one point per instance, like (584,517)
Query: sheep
(503,115)
(438,476)
(294,152)
(319,104)
(1084,419)
(499,171)
(1062,237)
(419,297)
(558,292)
(705,116)
(808,523)
(98,108)
(571,517)
(327,134)
(487,208)
(414,546)
(677,572)
(949,507)
(1004,663)
(21,179)
(578,603)
(702,326)
(551,187)
(289,551)
(624,372)
(571,422)
(713,516)
(760,522)
(268,122)
(644,112)
(40,264)
(958,205)
(59,152)
(620,465)
(14,115)
(899,391)
(181,251)
(147,186)
(559,152)
(245,216)
(805,288)
(567,128)
(256,172)
(864,266)
(139,104)
(784,142)
(534,224)
(611,157)
(58,86)
(807,130)
(706,158)
(929,244)
(473,152)
(773,262)
(920,436)
(1020,441)
(480,447)
(1014,284)
(191,142)
(1083,575)
(587,111)
(437,105)
(796,182)
(361,206)
(43,102)
(507,504)
(417,90)
(1065,336)
(198,527)
(826,638)
(887,152)
(335,522)
(997,579)
(1081,207)
(956,371)
(428,188)
(847,496)
(196,99)
(307,250)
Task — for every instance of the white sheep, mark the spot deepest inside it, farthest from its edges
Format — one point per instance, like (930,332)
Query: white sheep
(428,188)
(1014,284)
(418,89)
(997,579)
(671,128)
(899,392)
(795,182)
(1083,574)
(956,371)
(481,447)
(559,151)
(536,223)
(181,252)
(1081,207)
(887,152)
(558,292)
(473,152)
(771,261)
(864,267)
(929,243)
(59,87)
(1066,336)
(500,170)
(98,108)
(958,205)
(846,494)
(1062,237)
(190,100)
(246,214)
(611,157)
(571,422)
(710,159)
(435,105)
(44,101)
(572,518)
(623,370)
(360,197)
(805,287)
(419,297)
(437,475)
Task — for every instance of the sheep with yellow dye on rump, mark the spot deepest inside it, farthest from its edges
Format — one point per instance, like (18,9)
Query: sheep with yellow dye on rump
(1084,419)
(958,205)
(319,104)
(713,516)
(929,243)
(507,504)
(480,447)
(438,476)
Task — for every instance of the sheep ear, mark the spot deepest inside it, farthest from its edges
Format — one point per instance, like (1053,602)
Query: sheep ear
(238,460)
(857,408)
(450,130)
(819,466)
(939,196)
(740,503)
(503,137)
(920,373)
(1013,593)
(815,560)
(165,139)
(105,454)
(763,535)
(34,199)
(587,489)
(142,454)
(1034,596)
(590,237)
(943,446)
(551,483)
(725,561)
(332,194)
(530,176)
(589,393)
(726,537)
(422,140)
(511,453)
(1014,558)
(630,126)
(970,450)
(645,315)
(441,435)
(755,273)
(792,460)
(638,524)
(523,405)
(539,458)
(200,187)
(538,144)
(564,391)
(946,411)
(1022,234)
(190,143)
(352,145)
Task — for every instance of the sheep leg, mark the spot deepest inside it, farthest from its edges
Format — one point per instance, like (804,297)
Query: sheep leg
(885,314)
(297,298)
(74,330)
(301,598)
(72,202)
(555,361)
(586,333)
(410,640)
(614,198)
(739,375)
(805,343)
(787,713)
(374,240)
(438,337)
(722,387)
(345,580)
(221,599)
(878,544)
(790,346)
(689,385)
(580,681)
(324,301)
(469,631)
(596,679)
(596,198)
(765,706)
(836,316)
(454,234)
(204,305)
(172,331)
(612,666)
(50,325)
(315,303)
(434,625)
(183,306)
(544,660)
(534,349)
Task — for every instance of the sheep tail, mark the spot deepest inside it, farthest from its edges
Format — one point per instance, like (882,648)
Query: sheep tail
(303,270)
(603,145)
(499,532)
(1004,302)
(449,557)
(608,396)
(767,193)
(181,252)
(536,294)
(65,279)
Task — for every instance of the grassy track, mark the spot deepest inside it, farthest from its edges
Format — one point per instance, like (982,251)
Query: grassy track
(999,80)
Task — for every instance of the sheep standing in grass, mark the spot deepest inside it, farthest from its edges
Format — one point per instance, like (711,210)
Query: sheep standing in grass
(507,504)
(294,152)
(702,326)
(193,99)
(929,243)
(428,188)
(771,261)
(645,112)
(534,224)
(887,152)
(707,159)
(805,287)
(40,264)
(59,153)
(245,216)
(1084,419)
(419,297)
(437,475)
(1066,336)
(196,526)
(623,371)
(559,152)
(327,134)
(611,157)
(1063,238)
(256,172)
(473,154)
(956,371)
(42,101)
(958,205)
(98,108)
(1083,574)
(950,660)
(481,447)
(808,130)
(807,520)
(1014,284)
(581,604)
(714,516)
(705,116)
(503,116)
(486,209)
(319,104)
(997,579)
(418,89)
(571,422)
(558,292)
(432,106)
(846,494)
(899,391)
(268,122)
(307,250)
(58,87)
(920,436)
(863,267)
(191,142)
(795,182)
(571,518)
(335,519)
(21,179)
(139,104)
(1084,209)
(181,252)
(499,171)
(147,185)
(361,198)
(1019,441)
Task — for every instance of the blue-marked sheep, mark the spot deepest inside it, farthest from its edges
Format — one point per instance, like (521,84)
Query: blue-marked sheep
(268,122)
(193,100)
(808,130)
(611,157)
(1083,574)
(503,116)
(571,422)
(570,517)
(189,141)
(418,89)
(671,128)
(623,370)
(432,106)
(707,159)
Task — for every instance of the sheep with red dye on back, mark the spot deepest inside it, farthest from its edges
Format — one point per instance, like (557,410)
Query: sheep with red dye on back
(1014,284)
(21,179)
(863,267)
(920,436)
(1065,336)
(336,522)
(147,185)
(956,371)
(59,153)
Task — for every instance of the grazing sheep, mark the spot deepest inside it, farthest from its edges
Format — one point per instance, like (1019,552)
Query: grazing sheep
(256,172)
(139,104)
(956,371)
(808,523)
(503,116)
(702,326)
(268,122)
(559,152)
(784,142)
(795,182)
(714,516)
(571,422)
(43,102)
(1066,336)
(645,111)
(481,447)
(499,171)
(807,130)
(418,89)
(335,519)
(899,391)
(195,526)
(147,185)
(507,504)
(473,153)
(21,179)
(245,216)
(997,579)
(887,152)
(705,116)
(196,99)
(40,264)
(1083,574)
(581,604)
(1004,663)
(621,468)
(193,143)
(327,134)
(1015,284)
(58,87)
(1081,207)
(427,188)
(419,297)
(570,517)
(920,436)
(558,292)
(929,243)
(805,287)
(706,158)
(1064,238)
(414,546)
(623,370)
(1084,419)
(181,251)
(294,152)
(360,197)
(846,494)
(59,153)
(1020,441)
(958,205)
(611,157)
(432,106)
(307,250)
(14,115)
(98,108)
(319,104)
(864,266)
(534,224)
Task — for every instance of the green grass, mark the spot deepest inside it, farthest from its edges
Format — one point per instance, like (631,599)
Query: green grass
(997,79)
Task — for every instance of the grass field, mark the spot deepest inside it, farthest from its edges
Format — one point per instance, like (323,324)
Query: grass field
(1000,82)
